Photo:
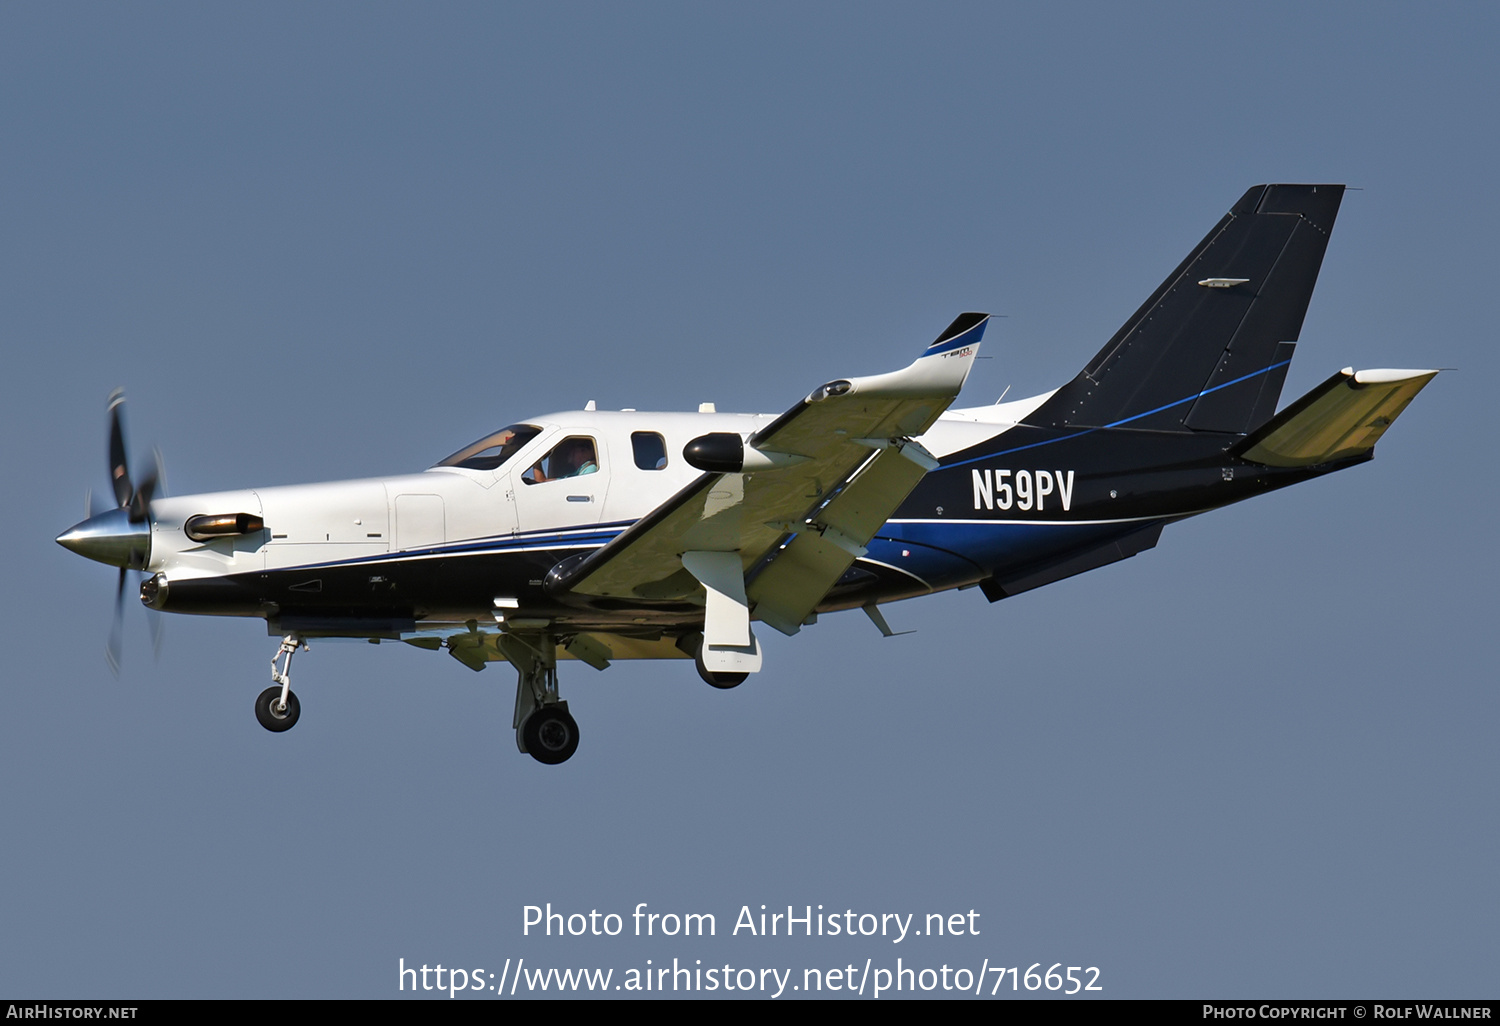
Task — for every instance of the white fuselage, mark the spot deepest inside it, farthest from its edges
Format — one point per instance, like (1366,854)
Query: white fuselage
(334,521)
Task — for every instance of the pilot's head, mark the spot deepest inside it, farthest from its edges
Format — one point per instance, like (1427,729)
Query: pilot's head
(572,454)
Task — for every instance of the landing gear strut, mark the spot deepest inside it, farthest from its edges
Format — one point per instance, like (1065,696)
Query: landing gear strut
(277,708)
(544,729)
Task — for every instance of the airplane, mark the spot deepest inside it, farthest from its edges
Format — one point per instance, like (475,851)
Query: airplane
(596,536)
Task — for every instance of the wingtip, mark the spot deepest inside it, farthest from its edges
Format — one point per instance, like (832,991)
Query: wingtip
(966,329)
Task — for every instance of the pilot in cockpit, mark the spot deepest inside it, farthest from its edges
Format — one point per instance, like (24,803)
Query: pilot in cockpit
(573,457)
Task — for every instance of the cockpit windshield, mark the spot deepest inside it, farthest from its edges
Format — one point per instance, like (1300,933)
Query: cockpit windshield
(493,450)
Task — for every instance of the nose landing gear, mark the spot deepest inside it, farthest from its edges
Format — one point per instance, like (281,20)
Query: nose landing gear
(277,708)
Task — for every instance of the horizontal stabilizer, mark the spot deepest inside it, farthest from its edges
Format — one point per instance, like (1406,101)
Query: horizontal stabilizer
(1341,419)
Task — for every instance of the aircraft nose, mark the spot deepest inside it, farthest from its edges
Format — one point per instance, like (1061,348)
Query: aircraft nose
(110,538)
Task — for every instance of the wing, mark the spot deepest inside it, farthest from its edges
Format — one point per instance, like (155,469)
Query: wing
(777,518)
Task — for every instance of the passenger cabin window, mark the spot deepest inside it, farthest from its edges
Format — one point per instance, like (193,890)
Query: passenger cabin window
(650,450)
(491,451)
(574,456)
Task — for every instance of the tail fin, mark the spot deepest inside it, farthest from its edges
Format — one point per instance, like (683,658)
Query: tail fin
(1209,350)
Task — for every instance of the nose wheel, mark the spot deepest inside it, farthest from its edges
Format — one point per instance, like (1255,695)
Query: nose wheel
(274,713)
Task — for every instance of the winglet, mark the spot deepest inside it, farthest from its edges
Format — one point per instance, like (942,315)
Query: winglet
(966,329)
(938,373)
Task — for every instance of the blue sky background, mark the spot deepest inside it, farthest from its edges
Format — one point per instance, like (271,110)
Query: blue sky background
(323,241)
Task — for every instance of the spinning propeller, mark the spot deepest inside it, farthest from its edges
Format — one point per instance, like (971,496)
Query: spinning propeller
(122,536)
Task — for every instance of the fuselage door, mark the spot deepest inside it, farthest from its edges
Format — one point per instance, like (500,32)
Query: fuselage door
(565,488)
(420,522)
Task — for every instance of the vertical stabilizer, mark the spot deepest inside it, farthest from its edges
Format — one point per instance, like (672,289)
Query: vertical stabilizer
(1209,350)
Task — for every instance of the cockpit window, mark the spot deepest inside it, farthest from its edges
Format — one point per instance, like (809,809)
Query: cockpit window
(572,457)
(492,450)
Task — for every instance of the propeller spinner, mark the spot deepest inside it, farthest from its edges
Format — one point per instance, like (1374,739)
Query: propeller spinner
(122,536)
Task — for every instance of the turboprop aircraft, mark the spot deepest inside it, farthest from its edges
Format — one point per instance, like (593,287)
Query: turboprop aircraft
(596,536)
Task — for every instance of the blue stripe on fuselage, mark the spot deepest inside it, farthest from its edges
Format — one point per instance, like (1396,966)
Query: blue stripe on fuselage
(1118,423)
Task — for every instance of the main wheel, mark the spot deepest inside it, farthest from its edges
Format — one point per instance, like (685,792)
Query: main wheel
(723,681)
(551,735)
(274,719)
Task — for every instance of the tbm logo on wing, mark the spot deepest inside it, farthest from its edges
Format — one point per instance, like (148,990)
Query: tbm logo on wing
(1023,489)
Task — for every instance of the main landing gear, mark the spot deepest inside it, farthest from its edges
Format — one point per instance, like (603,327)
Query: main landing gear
(714,678)
(277,708)
(550,734)
(722,681)
(544,729)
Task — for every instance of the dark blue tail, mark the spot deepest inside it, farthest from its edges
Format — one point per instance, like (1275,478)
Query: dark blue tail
(1209,350)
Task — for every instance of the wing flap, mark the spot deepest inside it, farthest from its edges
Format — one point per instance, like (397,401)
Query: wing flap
(1341,419)
(795,581)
